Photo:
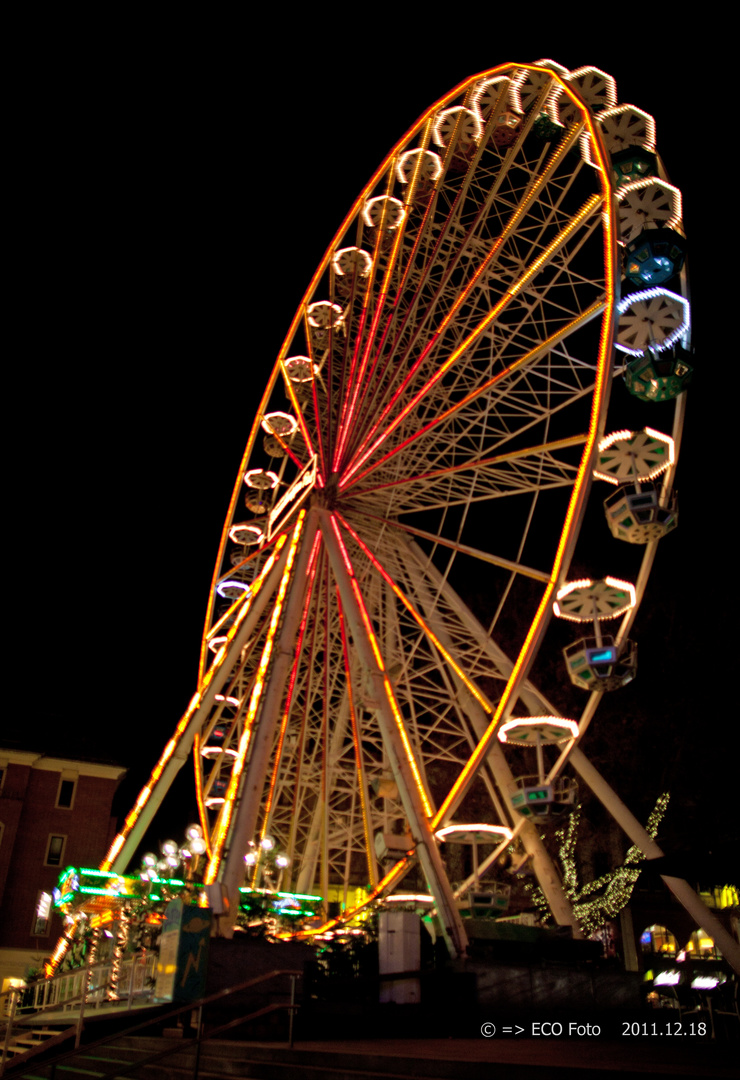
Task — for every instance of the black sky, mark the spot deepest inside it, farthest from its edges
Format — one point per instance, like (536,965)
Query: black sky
(177,207)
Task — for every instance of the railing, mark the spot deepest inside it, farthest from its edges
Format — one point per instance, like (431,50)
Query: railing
(201,1036)
(78,990)
(65,990)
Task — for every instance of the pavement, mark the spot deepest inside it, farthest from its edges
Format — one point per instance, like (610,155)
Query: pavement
(541,1057)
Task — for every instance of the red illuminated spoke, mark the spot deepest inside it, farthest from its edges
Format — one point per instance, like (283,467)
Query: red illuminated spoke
(491,252)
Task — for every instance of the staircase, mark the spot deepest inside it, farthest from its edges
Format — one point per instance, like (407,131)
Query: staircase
(26,1042)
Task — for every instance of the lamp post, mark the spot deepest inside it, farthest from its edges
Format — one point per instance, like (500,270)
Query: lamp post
(264,861)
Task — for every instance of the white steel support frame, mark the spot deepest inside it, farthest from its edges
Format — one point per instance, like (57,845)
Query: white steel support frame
(454,386)
(681,889)
(195,717)
(245,819)
(542,864)
(426,846)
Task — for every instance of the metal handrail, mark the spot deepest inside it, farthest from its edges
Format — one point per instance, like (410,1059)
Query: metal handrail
(201,1037)
(86,998)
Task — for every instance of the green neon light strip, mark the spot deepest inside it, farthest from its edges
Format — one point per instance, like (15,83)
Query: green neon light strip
(290,895)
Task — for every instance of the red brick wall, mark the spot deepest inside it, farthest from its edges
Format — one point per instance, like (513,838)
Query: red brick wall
(31,813)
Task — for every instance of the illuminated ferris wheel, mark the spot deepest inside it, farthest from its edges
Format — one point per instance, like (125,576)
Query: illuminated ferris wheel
(431,428)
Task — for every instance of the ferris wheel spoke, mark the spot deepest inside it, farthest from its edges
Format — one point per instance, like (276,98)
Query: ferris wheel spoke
(382,299)
(470,341)
(535,264)
(465,549)
(503,385)
(415,798)
(224,820)
(254,763)
(373,379)
(302,424)
(436,488)
(421,623)
(372,865)
(458,298)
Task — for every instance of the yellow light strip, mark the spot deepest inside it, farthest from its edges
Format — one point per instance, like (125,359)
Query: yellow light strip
(230,514)
(195,702)
(477,463)
(291,687)
(469,684)
(387,882)
(379,660)
(227,808)
(358,751)
(523,208)
(407,746)
(298,410)
(356,403)
(579,488)
(202,815)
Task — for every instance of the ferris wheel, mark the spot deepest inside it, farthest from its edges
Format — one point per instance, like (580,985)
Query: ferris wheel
(430,431)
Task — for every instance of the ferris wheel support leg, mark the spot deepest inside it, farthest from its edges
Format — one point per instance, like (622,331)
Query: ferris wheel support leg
(681,889)
(216,680)
(429,856)
(246,817)
(542,864)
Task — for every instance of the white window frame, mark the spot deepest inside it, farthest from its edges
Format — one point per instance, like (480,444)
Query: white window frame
(54,836)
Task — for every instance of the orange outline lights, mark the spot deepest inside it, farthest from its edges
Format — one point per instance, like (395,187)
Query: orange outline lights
(500,832)
(470,133)
(224,819)
(568,730)
(279,423)
(352,260)
(370,633)
(599,596)
(323,315)
(391,215)
(192,708)
(407,162)
(300,369)
(624,454)
(244,532)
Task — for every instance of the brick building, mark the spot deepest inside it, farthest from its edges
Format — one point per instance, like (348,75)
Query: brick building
(54,812)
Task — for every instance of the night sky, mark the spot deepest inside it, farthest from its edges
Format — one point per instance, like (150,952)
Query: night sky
(179,209)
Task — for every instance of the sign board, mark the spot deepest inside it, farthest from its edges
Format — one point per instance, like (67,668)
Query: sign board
(183,953)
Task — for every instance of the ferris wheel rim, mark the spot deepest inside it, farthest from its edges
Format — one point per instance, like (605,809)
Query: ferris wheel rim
(598,395)
(596,422)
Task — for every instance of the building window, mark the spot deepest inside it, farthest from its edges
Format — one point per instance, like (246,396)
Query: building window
(66,793)
(55,851)
(42,919)
(657,939)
